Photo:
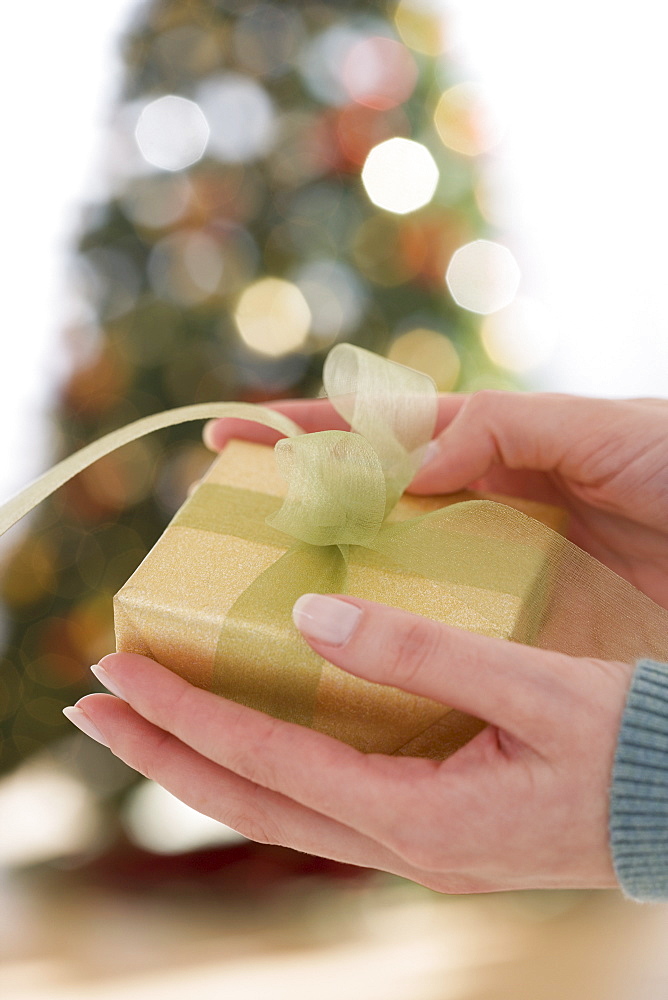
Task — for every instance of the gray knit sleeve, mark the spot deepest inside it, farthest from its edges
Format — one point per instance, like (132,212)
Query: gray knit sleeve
(639,793)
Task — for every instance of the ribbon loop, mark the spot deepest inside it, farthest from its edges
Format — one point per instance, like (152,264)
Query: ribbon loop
(392,406)
(336,489)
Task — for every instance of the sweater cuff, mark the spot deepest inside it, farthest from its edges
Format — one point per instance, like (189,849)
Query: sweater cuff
(639,794)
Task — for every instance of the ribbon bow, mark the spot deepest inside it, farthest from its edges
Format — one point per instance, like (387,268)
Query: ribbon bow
(342,485)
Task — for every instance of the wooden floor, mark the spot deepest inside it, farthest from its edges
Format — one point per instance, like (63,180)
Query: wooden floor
(68,937)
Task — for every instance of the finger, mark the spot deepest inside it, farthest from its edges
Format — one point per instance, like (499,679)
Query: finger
(519,688)
(266,816)
(449,405)
(319,772)
(520,431)
(257,813)
(312,415)
(498,480)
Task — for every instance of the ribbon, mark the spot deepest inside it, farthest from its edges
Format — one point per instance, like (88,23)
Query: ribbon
(27,499)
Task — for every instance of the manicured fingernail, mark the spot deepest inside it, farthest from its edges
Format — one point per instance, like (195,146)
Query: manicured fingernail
(326,619)
(82,722)
(106,681)
(207,435)
(431,451)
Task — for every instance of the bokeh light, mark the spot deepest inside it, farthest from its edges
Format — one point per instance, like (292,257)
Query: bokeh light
(420,24)
(335,296)
(272,317)
(464,120)
(428,351)
(427,241)
(157,821)
(123,478)
(483,276)
(379,73)
(241,117)
(400,175)
(302,150)
(172,132)
(44,813)
(29,574)
(265,377)
(375,252)
(521,337)
(157,201)
(321,219)
(183,465)
(186,267)
(267,39)
(183,50)
(360,128)
(321,61)
(110,279)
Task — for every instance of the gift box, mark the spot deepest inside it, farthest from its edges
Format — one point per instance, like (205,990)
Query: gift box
(202,604)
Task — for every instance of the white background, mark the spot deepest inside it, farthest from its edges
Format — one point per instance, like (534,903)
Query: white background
(584,85)
(584,164)
(58,74)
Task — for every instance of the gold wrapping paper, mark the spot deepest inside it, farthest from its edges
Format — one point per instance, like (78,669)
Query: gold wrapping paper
(175,609)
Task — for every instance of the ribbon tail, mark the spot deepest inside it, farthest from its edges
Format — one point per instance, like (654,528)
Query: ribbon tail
(25,501)
(555,595)
(258,627)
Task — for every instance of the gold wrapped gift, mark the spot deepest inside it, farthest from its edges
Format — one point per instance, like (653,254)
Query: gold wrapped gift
(176,608)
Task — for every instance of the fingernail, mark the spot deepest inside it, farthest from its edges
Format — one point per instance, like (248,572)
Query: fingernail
(326,619)
(106,681)
(207,435)
(431,451)
(82,722)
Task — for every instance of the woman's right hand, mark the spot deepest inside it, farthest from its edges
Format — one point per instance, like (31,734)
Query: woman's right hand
(604,461)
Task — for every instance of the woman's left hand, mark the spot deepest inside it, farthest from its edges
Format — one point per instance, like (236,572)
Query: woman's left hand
(523,805)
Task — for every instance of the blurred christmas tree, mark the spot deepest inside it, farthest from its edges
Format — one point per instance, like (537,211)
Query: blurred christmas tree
(281,177)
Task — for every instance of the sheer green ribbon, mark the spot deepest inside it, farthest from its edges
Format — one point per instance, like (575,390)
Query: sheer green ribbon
(27,499)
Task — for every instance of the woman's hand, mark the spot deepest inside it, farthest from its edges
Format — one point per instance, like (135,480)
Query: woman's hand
(605,461)
(523,805)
